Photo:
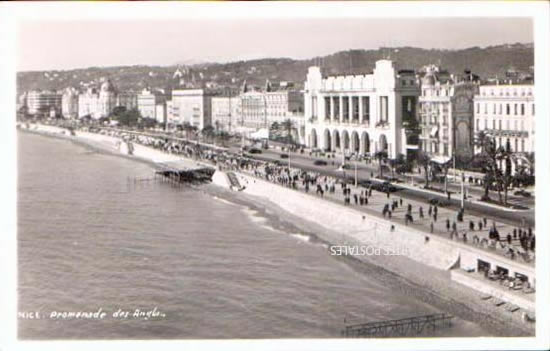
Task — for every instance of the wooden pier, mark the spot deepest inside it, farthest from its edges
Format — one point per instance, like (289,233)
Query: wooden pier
(398,327)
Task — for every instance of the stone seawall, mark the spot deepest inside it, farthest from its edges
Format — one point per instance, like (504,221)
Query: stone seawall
(359,227)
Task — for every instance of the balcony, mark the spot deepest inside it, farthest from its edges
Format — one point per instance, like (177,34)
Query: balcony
(382,124)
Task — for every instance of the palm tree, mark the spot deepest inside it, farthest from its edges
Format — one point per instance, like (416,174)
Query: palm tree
(187,128)
(381,156)
(424,160)
(287,126)
(224,136)
(505,178)
(488,157)
(208,132)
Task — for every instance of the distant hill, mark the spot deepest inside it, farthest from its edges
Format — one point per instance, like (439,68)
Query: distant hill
(486,62)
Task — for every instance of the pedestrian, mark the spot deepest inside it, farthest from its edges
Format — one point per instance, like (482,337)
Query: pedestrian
(366,201)
(472,225)
(421,212)
(430,211)
(401,202)
(454,227)
(447,224)
(484,222)
(431,227)
(409,208)
(388,194)
(389,214)
(480,225)
(435,217)
(355,198)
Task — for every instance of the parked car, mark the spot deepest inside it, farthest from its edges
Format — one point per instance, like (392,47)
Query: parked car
(523,193)
(440,203)
(320,163)
(284,155)
(255,151)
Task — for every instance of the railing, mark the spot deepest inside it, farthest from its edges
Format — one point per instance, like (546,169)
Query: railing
(398,327)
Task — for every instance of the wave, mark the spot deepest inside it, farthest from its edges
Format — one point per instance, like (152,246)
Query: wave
(301,237)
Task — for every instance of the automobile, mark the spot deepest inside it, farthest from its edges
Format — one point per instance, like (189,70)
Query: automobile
(255,151)
(523,193)
(387,186)
(365,183)
(346,166)
(320,163)
(438,202)
(284,155)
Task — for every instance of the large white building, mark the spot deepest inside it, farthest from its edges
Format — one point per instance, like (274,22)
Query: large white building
(148,102)
(360,114)
(225,112)
(98,103)
(192,106)
(43,102)
(507,112)
(69,103)
(127,99)
(446,113)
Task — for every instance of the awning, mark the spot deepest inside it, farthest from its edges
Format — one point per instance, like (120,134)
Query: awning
(433,132)
(260,134)
(440,159)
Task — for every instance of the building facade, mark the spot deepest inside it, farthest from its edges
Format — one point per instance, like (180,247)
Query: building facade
(147,102)
(98,103)
(446,113)
(43,102)
(507,112)
(69,103)
(127,99)
(192,106)
(225,112)
(360,114)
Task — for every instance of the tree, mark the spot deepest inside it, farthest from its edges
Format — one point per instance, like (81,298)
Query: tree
(208,132)
(287,126)
(223,136)
(381,156)
(128,118)
(488,158)
(118,111)
(505,177)
(424,161)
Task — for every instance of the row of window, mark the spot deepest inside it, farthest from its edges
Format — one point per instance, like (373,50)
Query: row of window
(507,109)
(498,123)
(507,92)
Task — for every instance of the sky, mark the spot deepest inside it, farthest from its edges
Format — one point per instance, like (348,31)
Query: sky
(57,45)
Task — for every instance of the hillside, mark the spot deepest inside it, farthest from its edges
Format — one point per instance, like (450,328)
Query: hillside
(486,62)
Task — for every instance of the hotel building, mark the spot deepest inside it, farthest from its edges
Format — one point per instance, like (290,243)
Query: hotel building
(147,102)
(69,103)
(360,114)
(127,99)
(97,104)
(193,106)
(446,112)
(225,112)
(507,112)
(43,102)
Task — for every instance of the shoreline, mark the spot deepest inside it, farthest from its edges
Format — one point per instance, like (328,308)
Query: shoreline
(430,285)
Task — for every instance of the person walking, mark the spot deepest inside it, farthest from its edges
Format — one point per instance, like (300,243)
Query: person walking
(447,224)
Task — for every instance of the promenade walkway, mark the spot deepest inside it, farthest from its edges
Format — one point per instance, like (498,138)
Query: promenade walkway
(428,222)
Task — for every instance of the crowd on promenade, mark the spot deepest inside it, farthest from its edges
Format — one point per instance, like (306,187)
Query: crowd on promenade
(518,242)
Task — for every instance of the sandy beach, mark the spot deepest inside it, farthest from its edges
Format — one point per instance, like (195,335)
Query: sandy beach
(430,285)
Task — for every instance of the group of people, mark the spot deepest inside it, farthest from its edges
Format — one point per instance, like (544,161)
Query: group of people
(296,178)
